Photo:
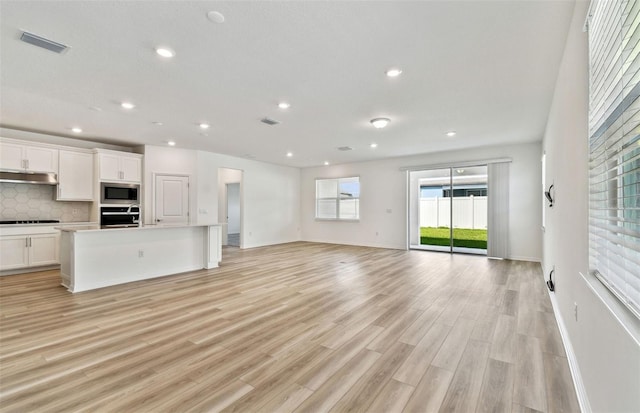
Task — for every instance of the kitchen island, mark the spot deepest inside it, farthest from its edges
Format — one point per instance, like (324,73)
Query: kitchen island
(92,257)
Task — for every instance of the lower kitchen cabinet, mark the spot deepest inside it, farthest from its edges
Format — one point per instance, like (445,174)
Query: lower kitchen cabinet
(23,251)
(14,252)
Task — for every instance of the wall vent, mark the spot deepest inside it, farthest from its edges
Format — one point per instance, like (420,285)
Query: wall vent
(345,148)
(36,40)
(269,121)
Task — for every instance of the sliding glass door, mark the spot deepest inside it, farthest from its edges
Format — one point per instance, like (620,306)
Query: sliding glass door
(448,209)
(469,216)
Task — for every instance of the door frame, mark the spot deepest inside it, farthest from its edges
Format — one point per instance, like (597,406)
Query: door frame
(451,167)
(154,175)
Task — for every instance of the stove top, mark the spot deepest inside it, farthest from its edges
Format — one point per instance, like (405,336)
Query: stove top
(31,221)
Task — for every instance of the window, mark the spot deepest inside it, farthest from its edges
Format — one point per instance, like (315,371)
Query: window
(614,147)
(338,198)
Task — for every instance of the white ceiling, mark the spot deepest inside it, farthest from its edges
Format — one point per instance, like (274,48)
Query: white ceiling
(486,69)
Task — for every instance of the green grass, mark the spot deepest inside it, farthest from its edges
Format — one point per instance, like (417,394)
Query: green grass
(462,237)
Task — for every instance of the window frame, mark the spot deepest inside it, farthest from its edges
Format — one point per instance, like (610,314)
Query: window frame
(337,199)
(613,118)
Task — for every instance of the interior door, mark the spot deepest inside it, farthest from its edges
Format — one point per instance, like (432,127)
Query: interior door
(171,199)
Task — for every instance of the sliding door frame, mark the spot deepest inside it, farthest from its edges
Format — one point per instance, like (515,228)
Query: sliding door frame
(450,167)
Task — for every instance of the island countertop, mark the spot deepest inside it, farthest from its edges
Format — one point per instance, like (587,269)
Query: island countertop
(95,227)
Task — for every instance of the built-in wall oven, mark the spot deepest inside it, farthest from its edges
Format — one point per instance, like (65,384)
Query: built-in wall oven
(120,216)
(111,193)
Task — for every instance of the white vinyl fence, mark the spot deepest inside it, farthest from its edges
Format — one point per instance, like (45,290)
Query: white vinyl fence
(468,212)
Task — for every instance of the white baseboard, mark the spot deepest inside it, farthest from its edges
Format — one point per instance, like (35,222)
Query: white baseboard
(355,244)
(523,258)
(30,269)
(578,384)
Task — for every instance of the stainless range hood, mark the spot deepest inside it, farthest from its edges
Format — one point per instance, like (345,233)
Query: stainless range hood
(29,178)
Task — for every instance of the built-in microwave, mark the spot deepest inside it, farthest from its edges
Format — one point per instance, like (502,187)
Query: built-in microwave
(119,193)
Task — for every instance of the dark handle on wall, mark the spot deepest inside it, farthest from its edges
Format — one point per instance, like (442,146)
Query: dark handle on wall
(550,282)
(547,194)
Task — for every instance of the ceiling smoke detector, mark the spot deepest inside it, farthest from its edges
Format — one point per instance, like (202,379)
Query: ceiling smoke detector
(269,121)
(39,41)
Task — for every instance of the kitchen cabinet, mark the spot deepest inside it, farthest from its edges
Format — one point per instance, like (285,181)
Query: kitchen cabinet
(75,179)
(119,167)
(33,250)
(28,158)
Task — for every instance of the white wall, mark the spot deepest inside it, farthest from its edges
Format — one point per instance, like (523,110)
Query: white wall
(166,160)
(271,193)
(383,193)
(608,358)
(270,196)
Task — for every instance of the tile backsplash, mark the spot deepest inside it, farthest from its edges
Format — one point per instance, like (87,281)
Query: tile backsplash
(29,201)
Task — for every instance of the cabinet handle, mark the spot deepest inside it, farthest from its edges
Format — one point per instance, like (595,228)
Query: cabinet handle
(27,162)
(30,244)
(26,242)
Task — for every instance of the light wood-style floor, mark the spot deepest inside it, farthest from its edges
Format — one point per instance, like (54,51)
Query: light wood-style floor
(298,327)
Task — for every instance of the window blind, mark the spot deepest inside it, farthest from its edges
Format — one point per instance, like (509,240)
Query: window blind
(614,147)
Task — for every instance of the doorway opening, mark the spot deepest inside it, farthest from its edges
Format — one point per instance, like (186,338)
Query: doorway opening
(230,206)
(448,209)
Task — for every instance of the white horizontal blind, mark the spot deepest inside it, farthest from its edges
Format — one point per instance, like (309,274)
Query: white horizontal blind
(614,164)
(338,198)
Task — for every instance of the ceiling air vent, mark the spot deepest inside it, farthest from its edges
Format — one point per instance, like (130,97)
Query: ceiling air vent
(36,40)
(269,121)
(345,148)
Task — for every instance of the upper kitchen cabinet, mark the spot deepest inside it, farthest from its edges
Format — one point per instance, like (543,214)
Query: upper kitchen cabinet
(18,157)
(75,180)
(119,166)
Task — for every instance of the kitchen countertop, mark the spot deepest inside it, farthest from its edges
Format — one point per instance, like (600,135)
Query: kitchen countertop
(50,224)
(95,228)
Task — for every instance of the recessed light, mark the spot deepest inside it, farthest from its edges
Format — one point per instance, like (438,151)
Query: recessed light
(204,126)
(460,171)
(215,17)
(451,133)
(373,145)
(380,123)
(284,105)
(289,154)
(127,105)
(171,143)
(165,52)
(326,163)
(158,123)
(394,72)
(76,130)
